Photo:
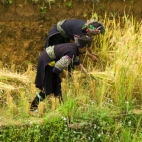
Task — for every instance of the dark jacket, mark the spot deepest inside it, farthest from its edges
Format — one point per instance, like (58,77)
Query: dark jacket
(63,55)
(71,27)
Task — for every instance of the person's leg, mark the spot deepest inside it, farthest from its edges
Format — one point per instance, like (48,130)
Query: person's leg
(40,96)
(57,88)
(46,88)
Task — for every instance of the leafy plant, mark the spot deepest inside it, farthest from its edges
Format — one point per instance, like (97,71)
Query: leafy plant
(85,15)
(69,4)
(43,9)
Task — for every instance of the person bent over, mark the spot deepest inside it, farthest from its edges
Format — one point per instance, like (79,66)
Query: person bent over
(69,29)
(48,75)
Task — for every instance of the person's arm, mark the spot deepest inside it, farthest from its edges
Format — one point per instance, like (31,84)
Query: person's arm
(92,55)
(91,51)
(64,62)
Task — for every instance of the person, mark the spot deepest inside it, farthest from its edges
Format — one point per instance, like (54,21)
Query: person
(48,74)
(66,30)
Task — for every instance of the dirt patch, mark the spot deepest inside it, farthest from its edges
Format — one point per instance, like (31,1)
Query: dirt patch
(23,26)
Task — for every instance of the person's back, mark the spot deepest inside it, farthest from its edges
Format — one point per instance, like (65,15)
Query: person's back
(69,49)
(65,30)
(69,27)
(73,27)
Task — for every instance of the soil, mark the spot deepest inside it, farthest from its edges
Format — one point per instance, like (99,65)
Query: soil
(24,26)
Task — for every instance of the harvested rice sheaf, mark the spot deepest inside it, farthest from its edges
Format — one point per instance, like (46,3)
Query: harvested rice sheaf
(10,81)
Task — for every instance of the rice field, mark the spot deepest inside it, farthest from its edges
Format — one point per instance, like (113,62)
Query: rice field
(113,87)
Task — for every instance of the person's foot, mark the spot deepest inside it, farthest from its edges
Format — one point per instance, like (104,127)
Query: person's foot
(33,108)
(34,112)
(34,104)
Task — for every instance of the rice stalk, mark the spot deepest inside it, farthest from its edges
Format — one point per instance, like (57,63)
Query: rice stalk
(4,86)
(14,76)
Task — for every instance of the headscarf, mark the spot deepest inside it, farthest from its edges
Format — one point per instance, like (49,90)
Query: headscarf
(93,27)
(83,41)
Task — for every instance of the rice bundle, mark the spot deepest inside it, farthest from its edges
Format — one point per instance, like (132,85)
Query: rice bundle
(14,76)
(96,75)
(9,80)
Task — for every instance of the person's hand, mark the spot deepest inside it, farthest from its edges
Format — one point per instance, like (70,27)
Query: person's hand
(83,69)
(93,53)
(87,74)
(63,74)
(95,58)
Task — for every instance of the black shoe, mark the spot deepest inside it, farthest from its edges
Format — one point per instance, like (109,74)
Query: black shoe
(34,104)
(33,109)
(39,97)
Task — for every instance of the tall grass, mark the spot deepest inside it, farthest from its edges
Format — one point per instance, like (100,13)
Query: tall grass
(121,58)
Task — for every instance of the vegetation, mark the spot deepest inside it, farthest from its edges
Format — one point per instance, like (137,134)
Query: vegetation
(106,106)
